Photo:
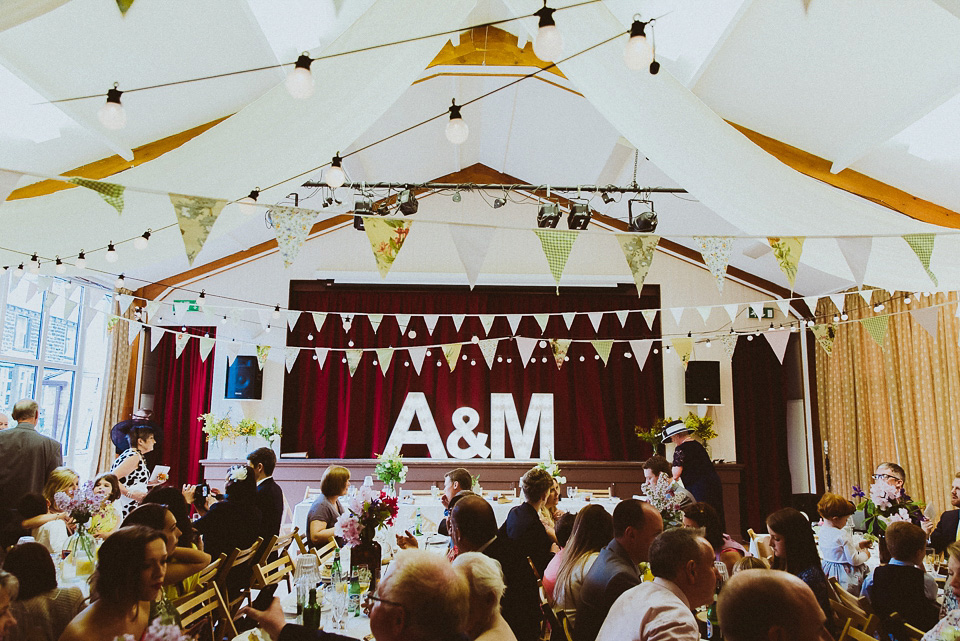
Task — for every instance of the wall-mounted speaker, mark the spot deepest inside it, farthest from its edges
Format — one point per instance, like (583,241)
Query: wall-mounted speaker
(702,383)
(244,379)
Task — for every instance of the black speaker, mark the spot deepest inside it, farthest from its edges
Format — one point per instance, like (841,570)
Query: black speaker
(244,379)
(702,383)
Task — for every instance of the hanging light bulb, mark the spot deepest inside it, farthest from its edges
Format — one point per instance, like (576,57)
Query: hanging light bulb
(111,255)
(836,318)
(141,242)
(19,271)
(60,267)
(248,204)
(907,300)
(120,282)
(276,312)
(549,43)
(81,262)
(334,176)
(708,343)
(34,264)
(300,81)
(111,114)
(844,316)
(457,130)
(638,53)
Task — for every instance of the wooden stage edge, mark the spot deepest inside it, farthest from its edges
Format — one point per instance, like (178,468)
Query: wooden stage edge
(625,477)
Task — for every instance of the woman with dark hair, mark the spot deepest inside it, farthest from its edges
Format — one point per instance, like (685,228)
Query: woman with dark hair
(130,467)
(592,530)
(174,501)
(234,521)
(564,529)
(326,509)
(182,562)
(795,551)
(702,515)
(42,609)
(130,572)
(692,466)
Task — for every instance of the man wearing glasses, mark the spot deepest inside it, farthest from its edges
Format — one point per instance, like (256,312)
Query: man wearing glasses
(895,476)
(946,532)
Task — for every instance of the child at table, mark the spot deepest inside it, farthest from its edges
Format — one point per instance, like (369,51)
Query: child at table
(842,559)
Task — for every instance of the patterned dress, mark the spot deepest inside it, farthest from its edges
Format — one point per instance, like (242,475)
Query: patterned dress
(139,476)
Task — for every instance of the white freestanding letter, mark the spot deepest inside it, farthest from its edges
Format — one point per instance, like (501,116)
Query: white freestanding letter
(503,414)
(416,405)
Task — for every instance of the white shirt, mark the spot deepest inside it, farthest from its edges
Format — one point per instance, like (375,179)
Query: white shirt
(837,545)
(657,610)
(263,479)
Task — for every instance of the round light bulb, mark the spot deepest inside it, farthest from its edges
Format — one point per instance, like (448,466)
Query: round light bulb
(111,254)
(81,262)
(34,265)
(907,300)
(18,272)
(844,316)
(111,115)
(457,131)
(141,242)
(299,81)
(248,204)
(120,282)
(276,312)
(60,268)
(335,176)
(638,53)
(309,337)
(549,43)
(412,333)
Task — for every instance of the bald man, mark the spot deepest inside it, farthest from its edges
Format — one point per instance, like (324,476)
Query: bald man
(770,605)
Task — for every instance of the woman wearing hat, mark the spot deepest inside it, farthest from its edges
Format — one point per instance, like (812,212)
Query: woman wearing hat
(692,465)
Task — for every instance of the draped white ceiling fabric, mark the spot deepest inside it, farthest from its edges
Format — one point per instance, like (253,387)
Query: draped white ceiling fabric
(14,12)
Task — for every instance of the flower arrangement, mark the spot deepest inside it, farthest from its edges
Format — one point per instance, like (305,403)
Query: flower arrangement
(660,493)
(366,511)
(390,468)
(159,632)
(269,433)
(218,429)
(885,505)
(553,468)
(248,427)
(701,428)
(83,505)
(654,434)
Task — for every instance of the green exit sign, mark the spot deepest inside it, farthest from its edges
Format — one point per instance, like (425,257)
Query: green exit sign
(192,306)
(767,312)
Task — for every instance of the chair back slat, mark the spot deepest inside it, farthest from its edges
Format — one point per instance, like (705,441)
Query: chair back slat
(201,605)
(265,574)
(276,545)
(326,552)
(210,572)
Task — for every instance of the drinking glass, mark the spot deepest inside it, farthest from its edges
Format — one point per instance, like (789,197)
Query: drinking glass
(338,605)
(363,578)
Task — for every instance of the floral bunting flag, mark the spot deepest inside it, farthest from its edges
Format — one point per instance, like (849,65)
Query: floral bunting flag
(384,356)
(112,194)
(525,347)
(292,226)
(715,251)
(595,319)
(928,318)
(603,349)
(417,354)
(568,318)
(290,357)
(556,246)
(787,250)
(472,244)
(386,236)
(922,246)
(876,326)
(353,360)
(124,6)
(452,353)
(488,348)
(778,342)
(650,316)
(196,217)
(542,320)
(622,317)
(206,346)
(638,251)
(8,181)
(559,347)
(458,321)
(321,353)
(684,349)
(431,322)
(514,321)
(292,317)
(375,320)
(729,343)
(487,321)
(262,352)
(641,350)
(182,340)
(825,333)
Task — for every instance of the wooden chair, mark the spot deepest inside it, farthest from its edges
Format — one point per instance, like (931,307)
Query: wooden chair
(236,560)
(276,545)
(856,618)
(270,573)
(902,628)
(915,634)
(599,494)
(209,573)
(204,606)
(311,493)
(565,627)
(850,633)
(842,595)
(326,552)
(301,544)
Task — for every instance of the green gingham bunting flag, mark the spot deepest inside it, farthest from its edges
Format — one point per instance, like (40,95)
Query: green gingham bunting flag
(556,247)
(876,326)
(111,193)
(922,246)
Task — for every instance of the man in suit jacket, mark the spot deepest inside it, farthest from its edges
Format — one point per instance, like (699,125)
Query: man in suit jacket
(946,530)
(28,456)
(635,525)
(270,503)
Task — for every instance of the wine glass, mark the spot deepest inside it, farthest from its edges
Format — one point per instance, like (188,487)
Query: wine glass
(339,601)
(363,579)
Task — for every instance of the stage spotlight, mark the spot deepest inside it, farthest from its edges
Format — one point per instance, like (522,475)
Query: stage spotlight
(579,216)
(548,216)
(408,202)
(499,202)
(607,198)
(358,223)
(363,206)
(645,220)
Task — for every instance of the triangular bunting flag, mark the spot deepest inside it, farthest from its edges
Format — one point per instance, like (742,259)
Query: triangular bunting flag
(346,321)
(705,311)
(152,307)
(787,251)
(182,340)
(811,302)
(595,319)
(732,309)
(68,307)
(431,322)
(112,194)
(375,320)
(684,349)
(603,349)
(206,346)
(318,319)
(650,315)
(622,316)
(757,310)
(876,326)
(559,347)
(729,342)
(265,316)
(715,251)
(384,356)
(825,335)
(417,354)
(514,321)
(292,317)
(556,247)
(196,217)
(568,318)
(452,353)
(232,348)
(46,282)
(263,351)
(641,350)
(156,334)
(472,244)
(486,320)
(784,305)
(353,360)
(677,314)
(778,342)
(290,357)
(402,321)
(489,350)
(839,300)
(866,295)
(292,226)
(525,347)
(386,236)
(458,321)
(133,330)
(856,251)
(928,318)
(922,246)
(542,320)
(321,353)
(638,251)
(8,182)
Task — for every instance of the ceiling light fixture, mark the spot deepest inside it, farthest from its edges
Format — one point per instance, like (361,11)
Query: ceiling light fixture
(60,267)
(334,176)
(499,202)
(248,204)
(111,255)
(457,130)
(120,282)
(646,220)
(300,81)
(141,242)
(638,53)
(579,216)
(548,216)
(111,115)
(81,261)
(34,264)
(549,43)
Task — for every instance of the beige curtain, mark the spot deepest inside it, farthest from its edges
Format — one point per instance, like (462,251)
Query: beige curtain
(901,403)
(115,391)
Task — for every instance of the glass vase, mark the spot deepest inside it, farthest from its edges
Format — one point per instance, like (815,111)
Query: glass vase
(80,553)
(367,555)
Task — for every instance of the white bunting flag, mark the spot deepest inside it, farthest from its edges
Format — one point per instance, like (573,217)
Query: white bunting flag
(650,315)
(133,330)
(757,309)
(346,321)
(472,244)
(265,316)
(705,311)
(291,357)
(542,320)
(318,319)
(595,319)
(384,356)
(292,317)
(866,295)
(928,318)
(68,307)
(123,302)
(375,320)
(514,321)
(856,251)
(732,310)
(838,301)
(44,282)
(403,320)
(321,353)
(489,350)
(568,318)
(156,334)
(641,350)
(431,322)
(525,347)
(784,305)
(487,321)
(778,342)
(182,339)
(622,317)
(152,307)
(417,355)
(231,348)
(206,346)
(458,321)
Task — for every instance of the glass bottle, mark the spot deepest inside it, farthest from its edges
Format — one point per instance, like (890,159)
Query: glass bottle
(311,612)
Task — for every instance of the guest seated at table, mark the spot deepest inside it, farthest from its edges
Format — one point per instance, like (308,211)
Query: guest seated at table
(685,578)
(182,562)
(564,529)
(455,483)
(946,531)
(901,585)
(842,559)
(130,571)
(656,465)
(549,513)
(234,521)
(592,530)
(49,528)
(523,525)
(769,605)
(485,578)
(952,620)
(42,610)
(702,515)
(795,551)
(407,540)
(750,563)
(103,524)
(473,528)
(326,509)
(176,501)
(8,592)
(635,525)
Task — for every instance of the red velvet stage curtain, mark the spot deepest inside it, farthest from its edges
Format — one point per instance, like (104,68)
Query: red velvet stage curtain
(328,414)
(760,414)
(184,387)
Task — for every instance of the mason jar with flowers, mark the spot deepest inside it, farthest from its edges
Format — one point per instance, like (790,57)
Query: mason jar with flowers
(391,470)
(80,551)
(367,511)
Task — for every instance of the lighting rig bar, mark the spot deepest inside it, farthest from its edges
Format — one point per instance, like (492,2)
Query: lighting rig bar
(501,187)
